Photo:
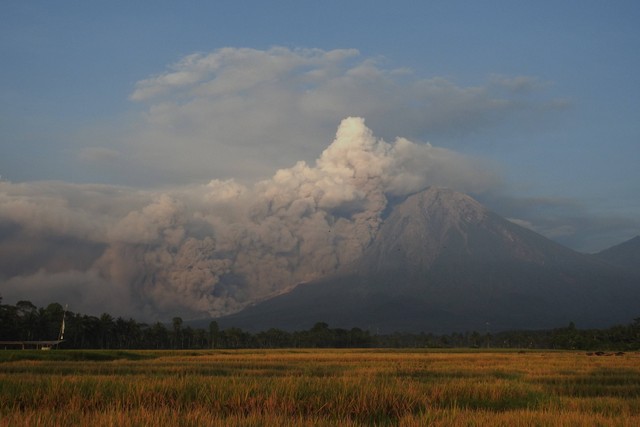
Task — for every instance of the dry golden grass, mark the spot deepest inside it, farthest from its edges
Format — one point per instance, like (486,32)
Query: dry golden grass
(324,388)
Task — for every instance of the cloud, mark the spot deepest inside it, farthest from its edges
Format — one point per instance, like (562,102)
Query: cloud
(99,155)
(84,291)
(242,113)
(212,249)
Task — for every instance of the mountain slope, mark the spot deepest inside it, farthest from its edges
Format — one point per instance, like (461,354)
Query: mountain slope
(441,262)
(625,255)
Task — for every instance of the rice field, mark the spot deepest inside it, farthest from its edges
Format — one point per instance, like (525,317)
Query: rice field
(318,388)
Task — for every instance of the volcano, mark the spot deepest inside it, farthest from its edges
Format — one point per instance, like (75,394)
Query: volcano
(442,262)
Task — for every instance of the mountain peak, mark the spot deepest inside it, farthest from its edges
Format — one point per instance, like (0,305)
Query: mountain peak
(420,228)
(444,204)
(441,262)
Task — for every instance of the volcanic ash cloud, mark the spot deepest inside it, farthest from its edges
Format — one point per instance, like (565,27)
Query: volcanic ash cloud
(215,248)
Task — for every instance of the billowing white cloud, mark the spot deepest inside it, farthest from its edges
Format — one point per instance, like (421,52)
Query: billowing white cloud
(214,248)
(242,113)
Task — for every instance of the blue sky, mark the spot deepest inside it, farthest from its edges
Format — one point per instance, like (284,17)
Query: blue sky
(545,94)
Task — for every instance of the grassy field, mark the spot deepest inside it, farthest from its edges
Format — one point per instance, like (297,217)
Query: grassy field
(318,387)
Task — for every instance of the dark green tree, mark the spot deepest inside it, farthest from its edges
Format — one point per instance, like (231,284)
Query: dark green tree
(27,314)
(214,334)
(177,332)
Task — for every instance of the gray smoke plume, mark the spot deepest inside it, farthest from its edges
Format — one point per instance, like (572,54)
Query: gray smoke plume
(212,249)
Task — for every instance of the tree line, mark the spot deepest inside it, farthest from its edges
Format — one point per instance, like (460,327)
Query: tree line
(26,322)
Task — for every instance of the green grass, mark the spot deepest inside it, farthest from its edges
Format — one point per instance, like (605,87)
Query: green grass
(72,355)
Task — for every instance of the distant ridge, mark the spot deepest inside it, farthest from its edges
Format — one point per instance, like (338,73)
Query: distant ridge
(442,262)
(625,255)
